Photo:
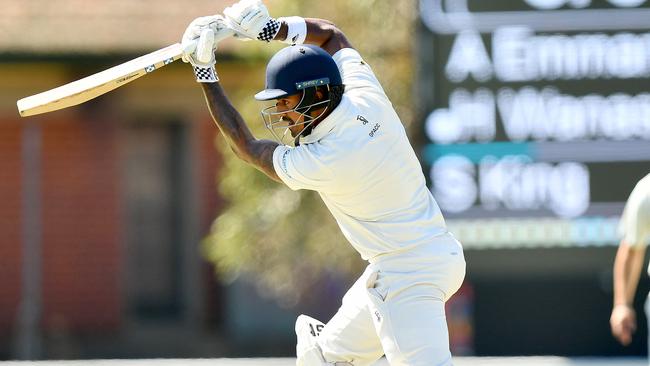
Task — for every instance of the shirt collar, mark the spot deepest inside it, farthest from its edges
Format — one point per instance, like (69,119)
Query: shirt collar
(326,125)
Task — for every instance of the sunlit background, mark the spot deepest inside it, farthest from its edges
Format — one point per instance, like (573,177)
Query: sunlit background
(129,230)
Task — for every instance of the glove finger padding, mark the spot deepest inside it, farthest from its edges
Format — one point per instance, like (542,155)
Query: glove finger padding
(232,16)
(205,47)
(196,32)
(203,58)
(252,15)
(247,18)
(215,22)
(203,53)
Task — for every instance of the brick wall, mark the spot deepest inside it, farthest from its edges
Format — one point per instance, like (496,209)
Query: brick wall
(82,213)
(81,225)
(10,223)
(80,221)
(210,161)
(207,136)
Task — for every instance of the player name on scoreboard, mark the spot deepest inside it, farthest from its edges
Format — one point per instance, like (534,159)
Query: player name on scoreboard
(537,108)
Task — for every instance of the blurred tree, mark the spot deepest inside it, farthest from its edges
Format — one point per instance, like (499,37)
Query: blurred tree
(282,239)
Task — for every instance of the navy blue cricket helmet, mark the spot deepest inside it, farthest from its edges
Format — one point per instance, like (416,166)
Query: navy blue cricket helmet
(294,68)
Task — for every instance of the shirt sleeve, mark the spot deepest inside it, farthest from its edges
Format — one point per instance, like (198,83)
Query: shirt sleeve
(355,72)
(635,221)
(301,167)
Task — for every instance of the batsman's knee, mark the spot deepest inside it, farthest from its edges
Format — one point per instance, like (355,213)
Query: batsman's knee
(308,351)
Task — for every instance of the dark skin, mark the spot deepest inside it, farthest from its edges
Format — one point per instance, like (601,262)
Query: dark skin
(295,119)
(627,270)
(259,153)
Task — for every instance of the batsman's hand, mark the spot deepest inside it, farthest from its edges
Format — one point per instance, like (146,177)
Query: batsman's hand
(623,323)
(250,19)
(201,38)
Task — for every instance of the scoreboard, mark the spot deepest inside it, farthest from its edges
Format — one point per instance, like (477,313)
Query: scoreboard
(536,116)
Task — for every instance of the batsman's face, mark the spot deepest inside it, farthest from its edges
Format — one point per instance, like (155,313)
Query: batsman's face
(293,118)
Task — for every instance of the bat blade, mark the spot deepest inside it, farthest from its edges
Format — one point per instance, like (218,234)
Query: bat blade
(97,84)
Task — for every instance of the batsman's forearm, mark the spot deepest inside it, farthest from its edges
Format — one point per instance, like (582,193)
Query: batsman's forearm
(226,117)
(258,153)
(627,270)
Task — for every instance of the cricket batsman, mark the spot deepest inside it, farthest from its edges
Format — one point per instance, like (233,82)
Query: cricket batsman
(339,135)
(635,228)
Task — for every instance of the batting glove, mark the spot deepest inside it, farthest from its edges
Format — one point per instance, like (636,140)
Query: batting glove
(250,19)
(197,33)
(200,42)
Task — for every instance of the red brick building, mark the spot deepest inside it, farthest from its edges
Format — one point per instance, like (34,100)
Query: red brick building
(104,204)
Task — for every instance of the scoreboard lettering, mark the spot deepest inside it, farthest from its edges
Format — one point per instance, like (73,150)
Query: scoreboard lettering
(535,109)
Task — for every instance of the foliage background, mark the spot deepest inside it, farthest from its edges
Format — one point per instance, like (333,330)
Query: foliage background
(284,241)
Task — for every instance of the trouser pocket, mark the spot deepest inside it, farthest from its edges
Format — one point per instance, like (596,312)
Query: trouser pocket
(377,292)
(376,286)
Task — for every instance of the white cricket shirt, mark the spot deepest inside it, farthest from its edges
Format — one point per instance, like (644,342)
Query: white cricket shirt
(361,163)
(635,222)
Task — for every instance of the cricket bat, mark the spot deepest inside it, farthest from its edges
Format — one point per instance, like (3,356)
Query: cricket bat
(97,84)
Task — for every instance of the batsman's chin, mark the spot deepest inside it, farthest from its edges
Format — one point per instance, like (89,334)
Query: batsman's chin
(295,130)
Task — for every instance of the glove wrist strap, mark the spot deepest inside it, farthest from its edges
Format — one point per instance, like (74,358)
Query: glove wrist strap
(205,74)
(296,30)
(270,30)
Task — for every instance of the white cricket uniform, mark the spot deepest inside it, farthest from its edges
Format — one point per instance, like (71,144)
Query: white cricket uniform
(361,163)
(635,223)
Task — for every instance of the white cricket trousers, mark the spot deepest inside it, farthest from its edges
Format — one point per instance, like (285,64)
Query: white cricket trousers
(397,308)
(646,308)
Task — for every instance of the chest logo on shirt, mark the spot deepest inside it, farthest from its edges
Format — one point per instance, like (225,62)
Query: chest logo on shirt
(365,121)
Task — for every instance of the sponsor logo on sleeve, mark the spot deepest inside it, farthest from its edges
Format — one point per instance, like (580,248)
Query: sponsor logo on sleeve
(283,164)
